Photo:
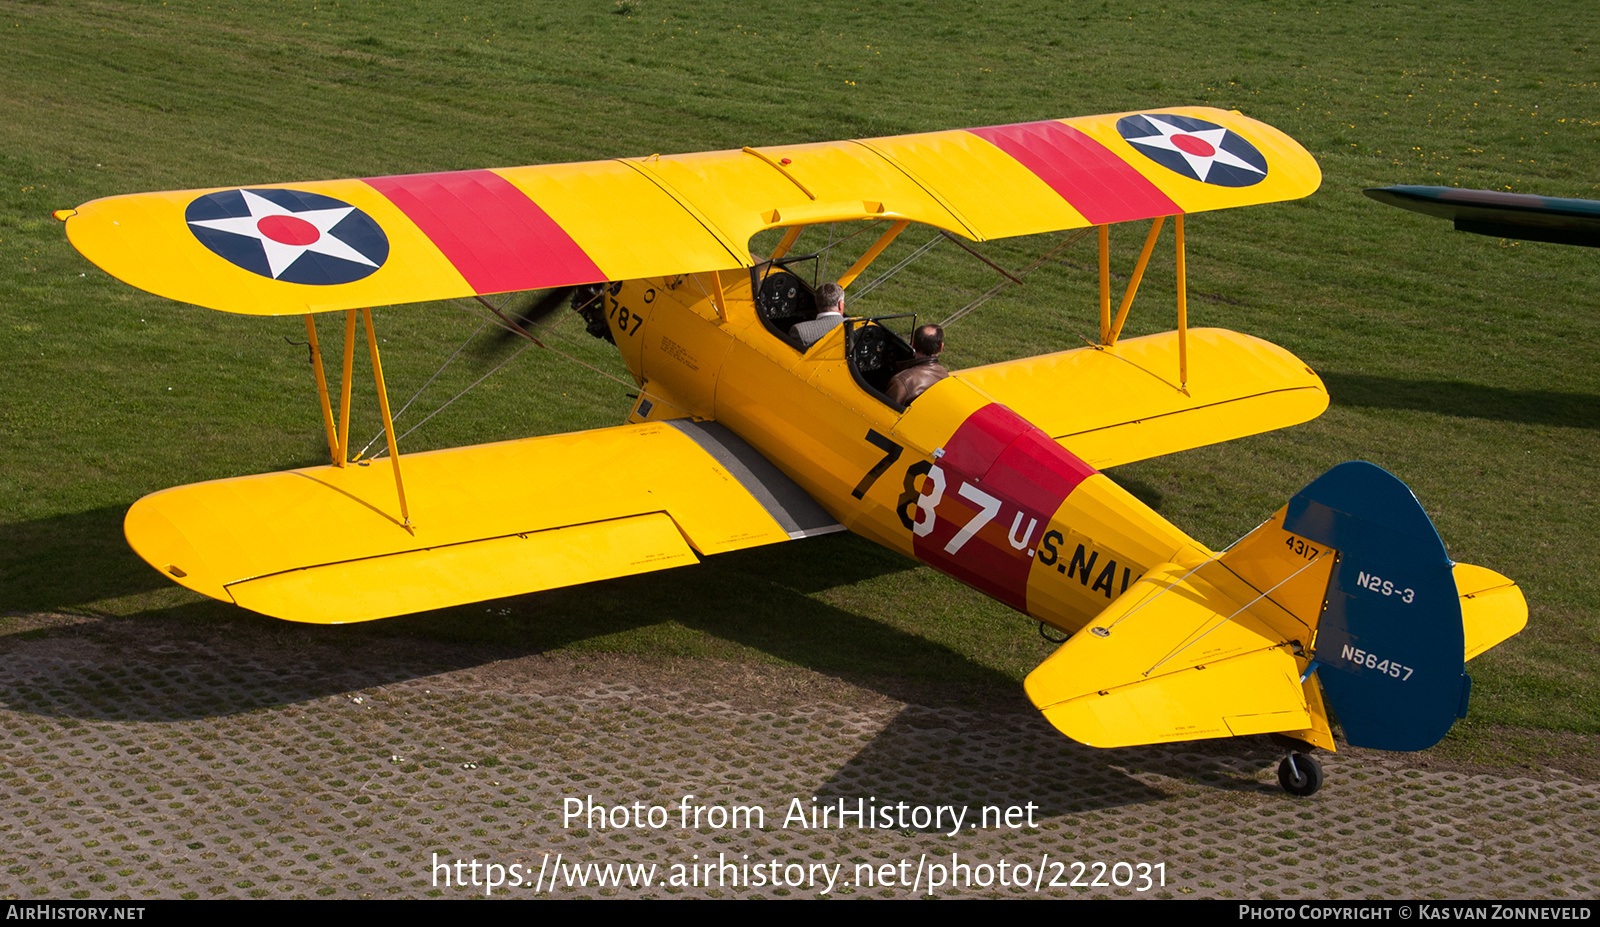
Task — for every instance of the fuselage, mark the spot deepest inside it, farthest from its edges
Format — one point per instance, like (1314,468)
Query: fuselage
(956,480)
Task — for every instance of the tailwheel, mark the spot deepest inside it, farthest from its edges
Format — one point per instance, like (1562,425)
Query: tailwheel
(1300,774)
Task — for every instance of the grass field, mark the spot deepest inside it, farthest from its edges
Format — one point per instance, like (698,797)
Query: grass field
(1467,365)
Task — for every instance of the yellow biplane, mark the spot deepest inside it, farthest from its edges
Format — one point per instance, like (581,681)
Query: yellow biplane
(1343,599)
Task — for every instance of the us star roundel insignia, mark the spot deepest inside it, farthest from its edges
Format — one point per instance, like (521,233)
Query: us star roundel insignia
(289,235)
(1195,148)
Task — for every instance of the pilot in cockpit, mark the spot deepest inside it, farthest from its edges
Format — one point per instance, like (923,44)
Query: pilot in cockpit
(830,315)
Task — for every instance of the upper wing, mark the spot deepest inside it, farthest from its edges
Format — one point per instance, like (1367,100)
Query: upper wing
(326,544)
(340,244)
(1115,405)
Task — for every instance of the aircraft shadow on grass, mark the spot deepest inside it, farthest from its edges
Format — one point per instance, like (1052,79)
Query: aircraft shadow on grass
(1465,400)
(69,561)
(750,598)
(205,659)
(934,752)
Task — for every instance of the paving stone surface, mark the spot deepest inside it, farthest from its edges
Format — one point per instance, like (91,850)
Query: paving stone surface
(195,769)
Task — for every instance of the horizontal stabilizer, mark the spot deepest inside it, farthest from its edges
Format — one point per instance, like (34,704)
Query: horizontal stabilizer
(1182,655)
(327,544)
(1492,608)
(1115,405)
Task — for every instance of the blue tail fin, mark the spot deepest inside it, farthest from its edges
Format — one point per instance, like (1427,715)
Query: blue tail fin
(1389,644)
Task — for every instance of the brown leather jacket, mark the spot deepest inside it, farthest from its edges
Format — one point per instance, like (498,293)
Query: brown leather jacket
(914,378)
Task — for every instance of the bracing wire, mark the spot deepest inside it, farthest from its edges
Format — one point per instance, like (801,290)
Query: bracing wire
(481,326)
(822,275)
(457,396)
(997,288)
(863,291)
(517,331)
(499,320)
(424,386)
(1192,570)
(1171,654)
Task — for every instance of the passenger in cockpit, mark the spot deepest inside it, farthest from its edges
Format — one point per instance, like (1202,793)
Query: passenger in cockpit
(922,370)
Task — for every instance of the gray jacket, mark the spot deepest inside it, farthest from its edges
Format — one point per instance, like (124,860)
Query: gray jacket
(811,332)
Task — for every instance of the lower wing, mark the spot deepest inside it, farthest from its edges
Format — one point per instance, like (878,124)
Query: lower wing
(1115,405)
(327,544)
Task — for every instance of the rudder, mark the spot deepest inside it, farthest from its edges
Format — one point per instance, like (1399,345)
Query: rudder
(1389,642)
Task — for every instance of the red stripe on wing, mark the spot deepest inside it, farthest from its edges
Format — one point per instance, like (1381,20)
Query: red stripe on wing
(1084,172)
(497,238)
(1000,455)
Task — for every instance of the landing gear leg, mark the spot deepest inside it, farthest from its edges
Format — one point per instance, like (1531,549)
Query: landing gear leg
(1300,774)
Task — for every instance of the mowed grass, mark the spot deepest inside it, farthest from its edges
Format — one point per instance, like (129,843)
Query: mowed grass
(1467,365)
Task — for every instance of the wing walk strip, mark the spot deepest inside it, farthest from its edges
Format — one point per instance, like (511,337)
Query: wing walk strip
(789,505)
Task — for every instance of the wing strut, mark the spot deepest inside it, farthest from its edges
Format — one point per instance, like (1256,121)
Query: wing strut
(388,423)
(789,238)
(1183,310)
(1111,330)
(322,391)
(872,253)
(1138,275)
(719,299)
(344,387)
(1105,284)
